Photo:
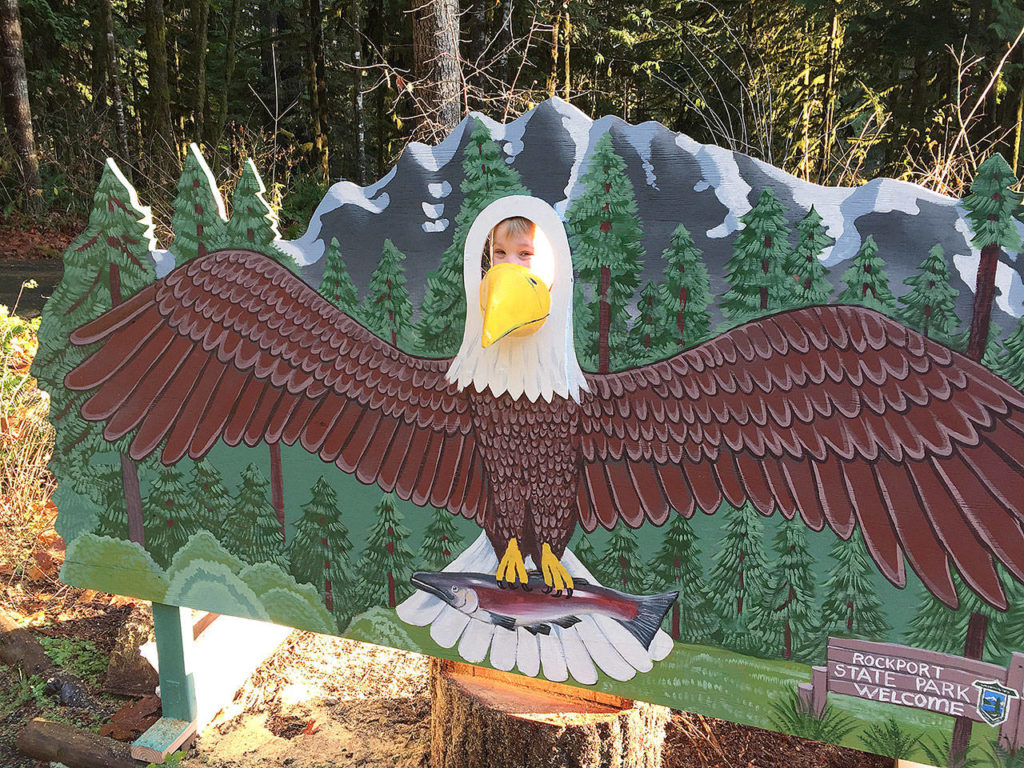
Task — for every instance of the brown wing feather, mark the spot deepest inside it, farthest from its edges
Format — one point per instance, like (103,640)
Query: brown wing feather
(234,347)
(839,413)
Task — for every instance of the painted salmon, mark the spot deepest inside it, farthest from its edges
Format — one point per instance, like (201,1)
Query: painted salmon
(478,596)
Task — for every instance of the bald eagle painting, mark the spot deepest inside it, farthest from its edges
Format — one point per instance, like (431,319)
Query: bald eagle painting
(834,416)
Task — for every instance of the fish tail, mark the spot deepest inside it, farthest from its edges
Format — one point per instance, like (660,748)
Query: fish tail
(651,610)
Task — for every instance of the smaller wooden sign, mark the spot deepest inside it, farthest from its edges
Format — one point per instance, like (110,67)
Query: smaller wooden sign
(920,679)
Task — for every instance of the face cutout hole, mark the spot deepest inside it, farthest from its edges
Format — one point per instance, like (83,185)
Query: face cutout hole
(518,240)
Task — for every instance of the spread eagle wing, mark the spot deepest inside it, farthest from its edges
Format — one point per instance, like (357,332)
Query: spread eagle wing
(234,346)
(837,414)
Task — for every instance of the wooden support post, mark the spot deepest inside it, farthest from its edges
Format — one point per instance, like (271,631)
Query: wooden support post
(173,629)
(484,717)
(1011,734)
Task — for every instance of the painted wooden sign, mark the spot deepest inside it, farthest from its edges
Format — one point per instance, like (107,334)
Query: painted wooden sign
(920,679)
(615,408)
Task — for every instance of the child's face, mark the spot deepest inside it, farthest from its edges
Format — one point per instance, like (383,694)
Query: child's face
(511,249)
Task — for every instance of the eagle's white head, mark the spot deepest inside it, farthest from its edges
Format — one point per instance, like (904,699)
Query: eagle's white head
(544,363)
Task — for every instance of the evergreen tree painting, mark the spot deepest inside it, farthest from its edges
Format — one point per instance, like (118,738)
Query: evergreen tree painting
(621,562)
(441,541)
(686,293)
(866,281)
(676,566)
(649,339)
(739,574)
(486,178)
(169,515)
(586,554)
(199,220)
(319,552)
(936,626)
(336,285)
(756,270)
(930,304)
(1011,363)
(252,532)
(810,277)
(106,264)
(387,310)
(387,561)
(106,492)
(606,239)
(209,496)
(253,223)
(786,618)
(851,607)
(991,206)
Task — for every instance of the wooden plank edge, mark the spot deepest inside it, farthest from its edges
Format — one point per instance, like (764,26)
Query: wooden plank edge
(162,738)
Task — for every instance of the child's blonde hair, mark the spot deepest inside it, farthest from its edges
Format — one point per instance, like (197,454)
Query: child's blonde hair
(514,225)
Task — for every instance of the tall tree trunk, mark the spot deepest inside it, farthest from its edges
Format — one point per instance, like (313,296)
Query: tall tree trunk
(1018,171)
(974,646)
(200,17)
(215,126)
(828,97)
(437,66)
(115,96)
(505,39)
(566,37)
(277,485)
(99,55)
(318,87)
(133,76)
(356,22)
(17,112)
(159,106)
(985,291)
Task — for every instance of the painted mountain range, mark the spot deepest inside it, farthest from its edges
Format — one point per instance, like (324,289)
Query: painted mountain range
(675,179)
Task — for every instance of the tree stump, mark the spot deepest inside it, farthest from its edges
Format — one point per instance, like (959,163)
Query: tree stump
(484,717)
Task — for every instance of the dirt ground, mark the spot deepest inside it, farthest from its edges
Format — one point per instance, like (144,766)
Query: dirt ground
(322,701)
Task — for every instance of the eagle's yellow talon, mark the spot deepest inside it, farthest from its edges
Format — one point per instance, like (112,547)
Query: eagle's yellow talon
(554,572)
(512,567)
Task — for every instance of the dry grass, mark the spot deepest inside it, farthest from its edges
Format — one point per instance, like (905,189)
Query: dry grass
(26,441)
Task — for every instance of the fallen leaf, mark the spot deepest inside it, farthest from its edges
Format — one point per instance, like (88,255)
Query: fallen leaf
(34,620)
(311,727)
(88,596)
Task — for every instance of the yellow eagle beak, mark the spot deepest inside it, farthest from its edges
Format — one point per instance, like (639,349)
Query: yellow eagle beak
(515,302)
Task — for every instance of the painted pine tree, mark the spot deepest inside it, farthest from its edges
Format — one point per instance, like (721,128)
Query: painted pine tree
(252,532)
(677,566)
(621,563)
(1011,362)
(586,554)
(319,552)
(169,515)
(990,206)
(930,304)
(107,494)
(210,497)
(851,607)
(106,264)
(649,340)
(486,178)
(756,270)
(253,223)
(811,285)
(199,220)
(686,292)
(607,245)
(387,562)
(336,285)
(936,626)
(787,618)
(387,309)
(739,574)
(867,283)
(441,541)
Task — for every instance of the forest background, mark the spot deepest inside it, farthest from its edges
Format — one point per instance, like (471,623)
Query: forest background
(834,91)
